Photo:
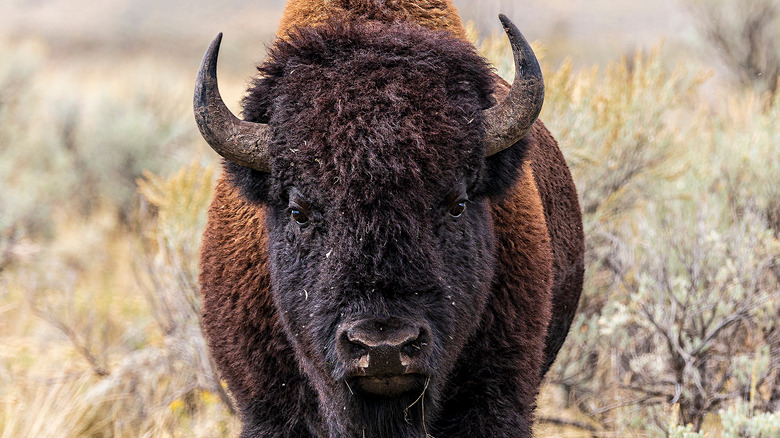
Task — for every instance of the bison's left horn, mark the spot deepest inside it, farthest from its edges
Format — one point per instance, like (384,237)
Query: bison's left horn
(241,142)
(510,120)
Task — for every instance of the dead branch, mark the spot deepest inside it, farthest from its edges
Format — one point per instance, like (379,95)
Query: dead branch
(568,423)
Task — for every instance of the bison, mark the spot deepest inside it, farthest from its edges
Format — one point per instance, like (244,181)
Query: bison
(395,247)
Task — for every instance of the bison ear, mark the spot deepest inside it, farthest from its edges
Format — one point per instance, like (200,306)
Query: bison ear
(255,186)
(503,169)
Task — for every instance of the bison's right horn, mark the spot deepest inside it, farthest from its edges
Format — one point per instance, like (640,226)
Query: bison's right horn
(241,142)
(510,120)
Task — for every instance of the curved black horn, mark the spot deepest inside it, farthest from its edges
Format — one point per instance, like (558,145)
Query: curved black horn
(510,120)
(241,142)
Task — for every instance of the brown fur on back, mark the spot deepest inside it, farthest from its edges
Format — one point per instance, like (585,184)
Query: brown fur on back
(433,14)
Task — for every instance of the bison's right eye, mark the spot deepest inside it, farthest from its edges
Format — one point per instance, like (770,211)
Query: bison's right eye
(299,216)
(298,208)
(458,209)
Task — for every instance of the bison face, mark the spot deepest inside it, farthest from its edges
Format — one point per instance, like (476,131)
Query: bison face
(380,236)
(376,191)
(378,284)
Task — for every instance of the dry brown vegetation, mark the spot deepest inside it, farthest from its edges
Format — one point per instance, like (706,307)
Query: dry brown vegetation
(104,184)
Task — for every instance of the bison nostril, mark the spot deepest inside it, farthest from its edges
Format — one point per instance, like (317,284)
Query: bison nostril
(352,347)
(413,347)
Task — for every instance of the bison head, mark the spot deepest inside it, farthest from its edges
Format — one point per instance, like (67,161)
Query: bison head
(375,150)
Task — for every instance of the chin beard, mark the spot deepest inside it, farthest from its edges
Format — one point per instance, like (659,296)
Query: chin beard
(408,415)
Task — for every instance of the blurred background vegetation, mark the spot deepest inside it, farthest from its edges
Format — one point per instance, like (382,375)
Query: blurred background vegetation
(668,115)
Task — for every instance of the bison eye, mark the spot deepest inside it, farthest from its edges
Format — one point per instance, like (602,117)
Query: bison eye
(298,216)
(458,209)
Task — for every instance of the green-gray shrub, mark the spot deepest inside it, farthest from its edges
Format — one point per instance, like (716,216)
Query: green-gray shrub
(80,148)
(34,170)
(738,422)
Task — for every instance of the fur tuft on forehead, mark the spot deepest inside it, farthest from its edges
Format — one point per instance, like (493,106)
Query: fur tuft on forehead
(362,105)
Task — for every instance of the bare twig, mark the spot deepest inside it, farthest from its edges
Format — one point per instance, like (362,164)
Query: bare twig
(568,423)
(82,347)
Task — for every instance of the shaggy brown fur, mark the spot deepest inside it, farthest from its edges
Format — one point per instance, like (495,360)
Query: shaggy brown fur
(432,14)
(564,221)
(489,386)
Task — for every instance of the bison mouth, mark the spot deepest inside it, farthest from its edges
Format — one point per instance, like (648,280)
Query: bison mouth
(390,385)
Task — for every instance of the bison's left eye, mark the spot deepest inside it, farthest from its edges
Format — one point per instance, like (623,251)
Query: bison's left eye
(458,209)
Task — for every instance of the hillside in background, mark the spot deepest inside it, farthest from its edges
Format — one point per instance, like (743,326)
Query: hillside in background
(593,31)
(177,31)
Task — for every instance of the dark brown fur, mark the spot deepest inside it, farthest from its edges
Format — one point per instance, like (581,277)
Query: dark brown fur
(493,380)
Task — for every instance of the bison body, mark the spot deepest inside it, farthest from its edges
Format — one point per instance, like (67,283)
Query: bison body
(382,277)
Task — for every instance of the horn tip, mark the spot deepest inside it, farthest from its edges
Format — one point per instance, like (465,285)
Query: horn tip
(507,23)
(217,40)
